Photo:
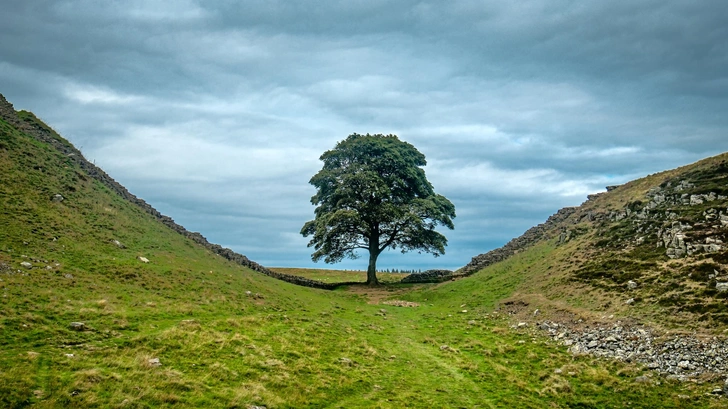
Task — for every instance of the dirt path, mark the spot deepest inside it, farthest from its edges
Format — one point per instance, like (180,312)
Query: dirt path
(375,295)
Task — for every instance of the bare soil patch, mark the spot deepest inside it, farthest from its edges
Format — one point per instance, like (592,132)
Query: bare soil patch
(377,295)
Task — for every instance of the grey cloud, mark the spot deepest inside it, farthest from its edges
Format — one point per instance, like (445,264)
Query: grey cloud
(216,112)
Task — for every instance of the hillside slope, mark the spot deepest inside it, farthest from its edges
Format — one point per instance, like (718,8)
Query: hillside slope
(31,126)
(653,249)
(72,250)
(86,322)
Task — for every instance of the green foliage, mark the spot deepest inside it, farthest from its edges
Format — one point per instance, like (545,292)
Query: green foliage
(372,194)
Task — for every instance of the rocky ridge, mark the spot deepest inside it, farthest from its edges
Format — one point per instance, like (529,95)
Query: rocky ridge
(667,219)
(685,216)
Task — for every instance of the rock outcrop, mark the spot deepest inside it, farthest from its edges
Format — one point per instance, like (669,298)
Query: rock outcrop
(668,216)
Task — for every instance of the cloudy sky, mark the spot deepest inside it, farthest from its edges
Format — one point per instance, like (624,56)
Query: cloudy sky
(216,112)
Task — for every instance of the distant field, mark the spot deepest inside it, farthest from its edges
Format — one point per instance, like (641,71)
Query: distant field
(337,276)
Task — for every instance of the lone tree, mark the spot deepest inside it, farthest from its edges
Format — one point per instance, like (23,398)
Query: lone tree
(372,194)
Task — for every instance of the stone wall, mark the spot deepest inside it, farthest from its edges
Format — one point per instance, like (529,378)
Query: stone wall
(530,237)
(429,276)
(47,135)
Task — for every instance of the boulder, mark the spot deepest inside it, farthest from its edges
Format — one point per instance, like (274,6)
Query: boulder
(77,326)
(696,200)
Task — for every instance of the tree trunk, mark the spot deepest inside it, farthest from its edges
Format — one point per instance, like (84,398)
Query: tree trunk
(372,270)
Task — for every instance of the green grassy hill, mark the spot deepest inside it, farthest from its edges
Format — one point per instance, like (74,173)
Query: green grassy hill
(193,329)
(654,250)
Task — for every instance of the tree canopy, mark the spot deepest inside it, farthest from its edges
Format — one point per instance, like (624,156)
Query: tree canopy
(372,194)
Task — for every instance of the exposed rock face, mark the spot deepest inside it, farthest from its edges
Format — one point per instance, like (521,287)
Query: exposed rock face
(46,135)
(665,205)
(673,239)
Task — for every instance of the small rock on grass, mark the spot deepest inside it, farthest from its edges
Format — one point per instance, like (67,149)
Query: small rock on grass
(400,303)
(154,362)
(77,326)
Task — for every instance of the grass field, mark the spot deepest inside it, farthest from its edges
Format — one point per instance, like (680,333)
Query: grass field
(338,276)
(190,329)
